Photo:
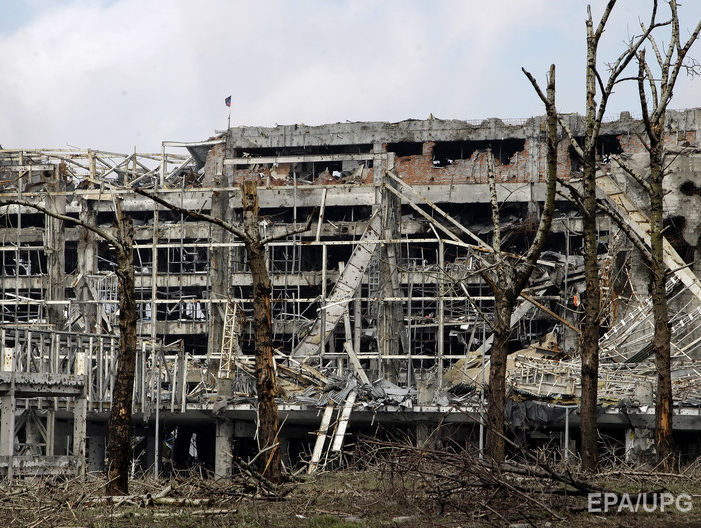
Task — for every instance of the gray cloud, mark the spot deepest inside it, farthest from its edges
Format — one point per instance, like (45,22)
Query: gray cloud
(131,73)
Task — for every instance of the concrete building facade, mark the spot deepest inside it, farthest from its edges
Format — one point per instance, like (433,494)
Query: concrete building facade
(380,299)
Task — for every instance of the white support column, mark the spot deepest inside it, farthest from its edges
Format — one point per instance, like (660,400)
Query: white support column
(50,431)
(80,415)
(223,457)
(7,417)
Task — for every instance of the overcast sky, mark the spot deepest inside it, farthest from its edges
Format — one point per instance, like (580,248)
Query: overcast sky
(120,74)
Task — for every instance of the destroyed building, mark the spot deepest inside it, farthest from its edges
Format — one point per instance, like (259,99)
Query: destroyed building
(380,316)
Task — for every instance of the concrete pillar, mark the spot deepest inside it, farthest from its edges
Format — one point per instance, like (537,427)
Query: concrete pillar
(223,456)
(50,432)
(32,433)
(225,387)
(644,393)
(285,451)
(424,430)
(7,415)
(87,265)
(425,388)
(55,250)
(640,446)
(390,326)
(7,426)
(95,453)
(218,261)
(80,414)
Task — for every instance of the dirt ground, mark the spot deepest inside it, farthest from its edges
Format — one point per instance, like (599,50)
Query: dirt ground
(340,499)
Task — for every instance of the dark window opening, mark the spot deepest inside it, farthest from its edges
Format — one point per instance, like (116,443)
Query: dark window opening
(186,305)
(674,227)
(606,146)
(406,148)
(71,257)
(106,258)
(143,260)
(178,259)
(362,148)
(334,168)
(446,152)
(575,160)
(29,219)
(689,188)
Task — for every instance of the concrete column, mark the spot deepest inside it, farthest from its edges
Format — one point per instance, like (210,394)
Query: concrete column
(50,431)
(56,252)
(390,317)
(285,451)
(223,456)
(424,429)
(80,414)
(7,415)
(7,426)
(640,446)
(32,433)
(87,265)
(95,453)
(218,261)
(426,386)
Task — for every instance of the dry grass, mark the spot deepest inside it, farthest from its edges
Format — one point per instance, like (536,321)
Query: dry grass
(398,486)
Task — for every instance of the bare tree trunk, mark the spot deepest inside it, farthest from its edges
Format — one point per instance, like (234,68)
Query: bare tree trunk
(592,294)
(262,290)
(497,375)
(119,441)
(591,326)
(265,373)
(661,340)
(660,86)
(508,279)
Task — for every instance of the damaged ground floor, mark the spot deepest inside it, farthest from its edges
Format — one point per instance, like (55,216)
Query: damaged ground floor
(381,319)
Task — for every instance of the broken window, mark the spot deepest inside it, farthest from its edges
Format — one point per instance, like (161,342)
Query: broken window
(606,146)
(576,164)
(446,152)
(689,188)
(361,148)
(406,148)
(187,259)
(71,256)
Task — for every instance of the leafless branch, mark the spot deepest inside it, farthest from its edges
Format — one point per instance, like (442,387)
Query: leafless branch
(624,226)
(295,231)
(239,232)
(75,221)
(575,196)
(631,172)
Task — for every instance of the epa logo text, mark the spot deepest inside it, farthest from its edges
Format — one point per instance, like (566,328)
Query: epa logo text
(645,502)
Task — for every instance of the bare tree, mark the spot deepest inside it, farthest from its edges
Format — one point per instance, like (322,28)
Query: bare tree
(658,86)
(507,276)
(595,111)
(119,436)
(249,233)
